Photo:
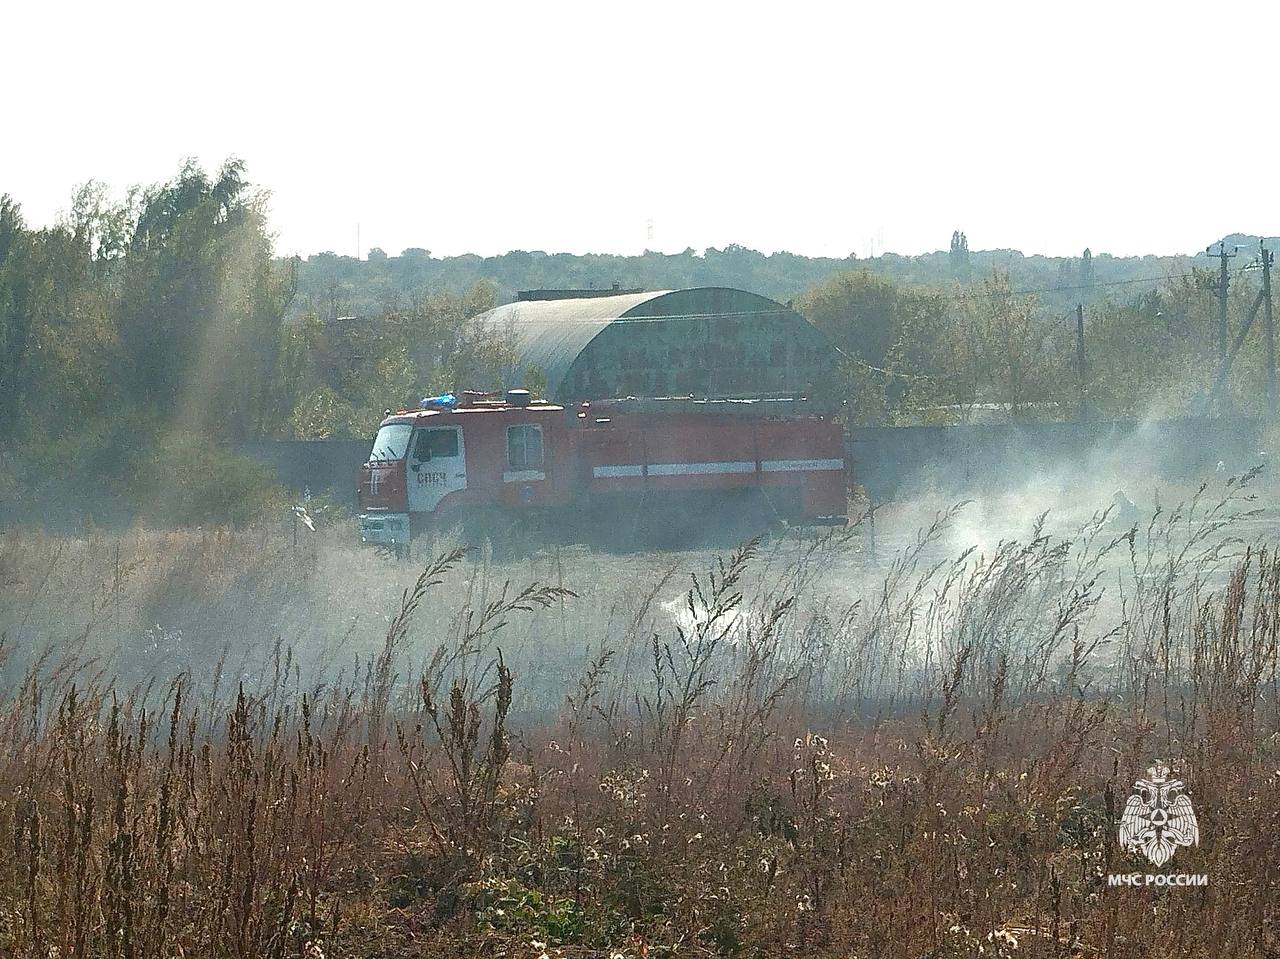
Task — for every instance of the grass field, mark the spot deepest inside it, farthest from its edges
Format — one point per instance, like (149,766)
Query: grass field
(223,744)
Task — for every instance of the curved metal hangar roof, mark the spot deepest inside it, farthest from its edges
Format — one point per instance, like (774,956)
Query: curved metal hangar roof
(710,342)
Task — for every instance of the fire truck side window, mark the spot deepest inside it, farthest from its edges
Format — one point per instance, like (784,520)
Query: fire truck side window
(524,447)
(433,444)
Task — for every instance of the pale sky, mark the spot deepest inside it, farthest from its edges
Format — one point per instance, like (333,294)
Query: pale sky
(817,128)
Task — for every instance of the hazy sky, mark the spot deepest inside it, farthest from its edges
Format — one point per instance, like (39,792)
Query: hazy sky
(817,128)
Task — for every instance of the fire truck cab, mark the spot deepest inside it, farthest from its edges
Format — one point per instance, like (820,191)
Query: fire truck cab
(508,455)
(458,452)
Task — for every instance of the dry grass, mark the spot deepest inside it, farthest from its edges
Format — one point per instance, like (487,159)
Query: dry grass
(223,746)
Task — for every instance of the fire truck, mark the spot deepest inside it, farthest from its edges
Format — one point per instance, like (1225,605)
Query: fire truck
(476,458)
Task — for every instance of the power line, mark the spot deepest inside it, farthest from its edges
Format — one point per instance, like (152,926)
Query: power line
(1067,289)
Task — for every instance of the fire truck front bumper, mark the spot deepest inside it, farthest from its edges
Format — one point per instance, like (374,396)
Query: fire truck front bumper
(384,529)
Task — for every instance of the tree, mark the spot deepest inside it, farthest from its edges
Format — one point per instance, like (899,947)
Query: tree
(355,368)
(1012,357)
(959,256)
(16,314)
(202,303)
(897,343)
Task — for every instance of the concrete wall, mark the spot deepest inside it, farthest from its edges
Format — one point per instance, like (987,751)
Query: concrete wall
(896,461)
(323,466)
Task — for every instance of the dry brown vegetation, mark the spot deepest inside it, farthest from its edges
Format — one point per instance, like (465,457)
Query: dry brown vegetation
(225,746)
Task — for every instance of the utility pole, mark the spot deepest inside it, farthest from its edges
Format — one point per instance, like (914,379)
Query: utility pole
(1268,327)
(1081,365)
(1224,281)
(1220,383)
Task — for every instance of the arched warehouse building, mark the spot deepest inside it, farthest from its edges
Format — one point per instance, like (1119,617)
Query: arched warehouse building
(709,342)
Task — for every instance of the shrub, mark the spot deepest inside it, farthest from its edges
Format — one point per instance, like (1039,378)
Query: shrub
(188,481)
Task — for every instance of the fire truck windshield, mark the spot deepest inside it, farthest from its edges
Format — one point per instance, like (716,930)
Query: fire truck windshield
(391,442)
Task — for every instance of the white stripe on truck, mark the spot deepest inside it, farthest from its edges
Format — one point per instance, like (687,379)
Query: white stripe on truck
(709,469)
(800,466)
(701,469)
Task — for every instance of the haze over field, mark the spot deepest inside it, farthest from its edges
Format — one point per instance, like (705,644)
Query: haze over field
(836,129)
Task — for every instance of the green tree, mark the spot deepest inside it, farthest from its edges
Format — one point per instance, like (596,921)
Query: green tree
(202,303)
(959,255)
(355,367)
(897,343)
(1011,352)
(16,314)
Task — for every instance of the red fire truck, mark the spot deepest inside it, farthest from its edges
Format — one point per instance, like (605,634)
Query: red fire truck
(459,459)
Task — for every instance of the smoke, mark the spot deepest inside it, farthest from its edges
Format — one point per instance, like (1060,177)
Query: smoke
(1046,478)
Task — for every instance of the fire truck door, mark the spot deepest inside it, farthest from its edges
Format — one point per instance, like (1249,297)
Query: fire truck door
(437,466)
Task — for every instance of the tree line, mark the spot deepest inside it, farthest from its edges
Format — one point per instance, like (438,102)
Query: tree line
(332,285)
(914,354)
